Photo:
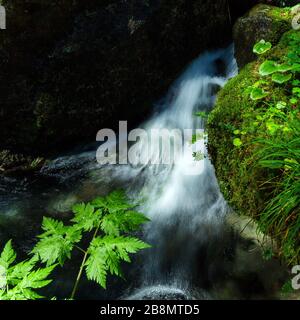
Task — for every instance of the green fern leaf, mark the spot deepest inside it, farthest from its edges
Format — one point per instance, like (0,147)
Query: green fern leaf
(56,242)
(105,255)
(118,221)
(86,217)
(8,255)
(115,201)
(96,267)
(132,220)
(51,227)
(111,223)
(53,249)
(37,279)
(20,270)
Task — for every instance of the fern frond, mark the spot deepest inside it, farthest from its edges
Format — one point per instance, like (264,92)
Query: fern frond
(105,255)
(86,217)
(8,256)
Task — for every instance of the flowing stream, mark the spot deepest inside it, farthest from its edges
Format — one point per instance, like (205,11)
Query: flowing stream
(192,250)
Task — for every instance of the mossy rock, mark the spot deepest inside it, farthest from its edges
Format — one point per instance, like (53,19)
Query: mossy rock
(238,185)
(245,185)
(262,22)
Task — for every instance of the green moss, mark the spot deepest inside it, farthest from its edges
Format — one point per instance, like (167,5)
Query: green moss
(246,186)
(232,169)
(281,21)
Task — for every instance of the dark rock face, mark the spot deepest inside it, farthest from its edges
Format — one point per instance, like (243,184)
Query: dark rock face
(262,22)
(71,69)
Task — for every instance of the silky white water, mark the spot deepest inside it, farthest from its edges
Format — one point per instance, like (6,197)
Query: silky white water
(183,200)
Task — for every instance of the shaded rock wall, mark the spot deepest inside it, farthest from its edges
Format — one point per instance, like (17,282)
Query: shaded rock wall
(71,68)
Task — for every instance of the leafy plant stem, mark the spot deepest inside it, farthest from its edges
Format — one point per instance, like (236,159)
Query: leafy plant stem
(82,266)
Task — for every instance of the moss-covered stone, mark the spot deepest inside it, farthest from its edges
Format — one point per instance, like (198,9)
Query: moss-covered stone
(238,185)
(262,22)
(245,184)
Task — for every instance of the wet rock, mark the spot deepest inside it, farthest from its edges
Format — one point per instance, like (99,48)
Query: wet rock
(12,164)
(159,292)
(254,268)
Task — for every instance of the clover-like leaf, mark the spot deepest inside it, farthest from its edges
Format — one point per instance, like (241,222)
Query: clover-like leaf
(237,142)
(262,47)
(268,67)
(258,93)
(281,78)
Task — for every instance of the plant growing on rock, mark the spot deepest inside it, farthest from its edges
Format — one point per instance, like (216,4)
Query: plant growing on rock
(277,142)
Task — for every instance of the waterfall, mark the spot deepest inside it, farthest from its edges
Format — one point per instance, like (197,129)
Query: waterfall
(186,210)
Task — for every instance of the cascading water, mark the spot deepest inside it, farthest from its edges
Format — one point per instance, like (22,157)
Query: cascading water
(183,200)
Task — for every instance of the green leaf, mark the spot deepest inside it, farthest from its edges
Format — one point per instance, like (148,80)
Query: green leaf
(20,270)
(111,224)
(115,201)
(21,278)
(237,142)
(284,67)
(257,94)
(296,82)
(37,279)
(268,67)
(262,47)
(296,91)
(96,266)
(201,114)
(56,242)
(8,255)
(114,223)
(52,227)
(54,249)
(272,127)
(33,280)
(281,105)
(293,101)
(105,255)
(86,217)
(132,220)
(281,78)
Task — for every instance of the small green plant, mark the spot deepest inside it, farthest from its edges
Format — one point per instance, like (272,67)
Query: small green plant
(278,147)
(262,47)
(198,156)
(237,142)
(106,223)
(287,288)
(268,254)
